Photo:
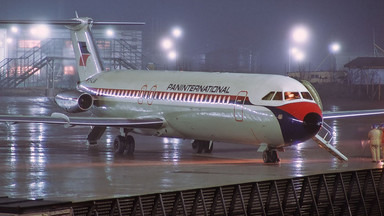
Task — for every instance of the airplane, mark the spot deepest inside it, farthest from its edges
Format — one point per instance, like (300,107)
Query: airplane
(272,111)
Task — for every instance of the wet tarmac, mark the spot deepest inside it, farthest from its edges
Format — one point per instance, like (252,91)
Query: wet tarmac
(53,162)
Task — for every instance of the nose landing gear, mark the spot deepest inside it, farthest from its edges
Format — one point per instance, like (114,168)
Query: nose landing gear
(201,146)
(270,156)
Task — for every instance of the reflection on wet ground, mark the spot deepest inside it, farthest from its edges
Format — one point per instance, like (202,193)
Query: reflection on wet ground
(51,162)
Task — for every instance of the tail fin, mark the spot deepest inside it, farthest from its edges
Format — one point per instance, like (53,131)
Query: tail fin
(87,57)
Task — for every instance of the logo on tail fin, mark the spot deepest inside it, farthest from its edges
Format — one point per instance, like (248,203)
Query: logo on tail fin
(84,54)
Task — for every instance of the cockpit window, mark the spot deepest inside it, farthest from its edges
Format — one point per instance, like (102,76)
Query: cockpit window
(291,95)
(306,95)
(269,96)
(278,96)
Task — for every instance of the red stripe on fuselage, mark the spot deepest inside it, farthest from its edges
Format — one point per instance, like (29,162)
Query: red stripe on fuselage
(300,109)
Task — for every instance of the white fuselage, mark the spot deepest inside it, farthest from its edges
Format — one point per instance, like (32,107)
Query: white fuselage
(199,105)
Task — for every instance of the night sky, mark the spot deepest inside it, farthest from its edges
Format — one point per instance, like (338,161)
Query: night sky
(261,26)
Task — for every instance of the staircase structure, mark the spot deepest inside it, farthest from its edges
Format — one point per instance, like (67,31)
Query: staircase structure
(47,58)
(324,139)
(14,71)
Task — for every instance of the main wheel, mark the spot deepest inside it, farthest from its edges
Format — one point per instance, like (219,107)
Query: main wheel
(208,146)
(119,144)
(197,146)
(130,144)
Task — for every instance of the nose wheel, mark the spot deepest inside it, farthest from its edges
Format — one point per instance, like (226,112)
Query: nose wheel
(201,146)
(270,156)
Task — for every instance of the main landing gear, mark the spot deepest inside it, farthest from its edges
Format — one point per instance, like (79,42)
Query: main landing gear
(201,146)
(124,144)
(271,156)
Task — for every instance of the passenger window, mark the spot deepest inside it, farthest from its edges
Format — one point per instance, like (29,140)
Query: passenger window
(278,96)
(198,98)
(306,95)
(269,96)
(291,95)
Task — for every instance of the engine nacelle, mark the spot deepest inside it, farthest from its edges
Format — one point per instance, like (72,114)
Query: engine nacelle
(74,101)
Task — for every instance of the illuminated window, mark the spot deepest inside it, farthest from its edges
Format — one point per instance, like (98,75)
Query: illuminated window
(193,98)
(69,70)
(228,99)
(206,99)
(198,98)
(291,95)
(103,44)
(210,99)
(219,100)
(29,43)
(180,97)
(214,99)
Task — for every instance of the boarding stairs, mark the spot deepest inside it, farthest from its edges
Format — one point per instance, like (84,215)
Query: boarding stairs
(14,71)
(324,139)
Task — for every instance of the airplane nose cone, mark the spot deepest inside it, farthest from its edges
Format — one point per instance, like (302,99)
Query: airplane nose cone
(312,123)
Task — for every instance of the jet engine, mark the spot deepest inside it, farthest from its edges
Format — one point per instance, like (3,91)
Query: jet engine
(74,101)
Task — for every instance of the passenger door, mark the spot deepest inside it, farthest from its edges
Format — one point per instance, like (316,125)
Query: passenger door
(239,106)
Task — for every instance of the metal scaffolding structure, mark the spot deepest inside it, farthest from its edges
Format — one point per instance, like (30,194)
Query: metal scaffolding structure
(48,60)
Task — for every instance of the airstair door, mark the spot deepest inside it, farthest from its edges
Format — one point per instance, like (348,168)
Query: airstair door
(239,106)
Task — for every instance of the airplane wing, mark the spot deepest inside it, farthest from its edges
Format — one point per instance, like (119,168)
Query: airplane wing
(60,118)
(354,113)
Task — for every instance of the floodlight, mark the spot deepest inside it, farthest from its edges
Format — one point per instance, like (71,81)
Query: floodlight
(334,47)
(14,29)
(166,43)
(300,34)
(172,55)
(110,33)
(177,32)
